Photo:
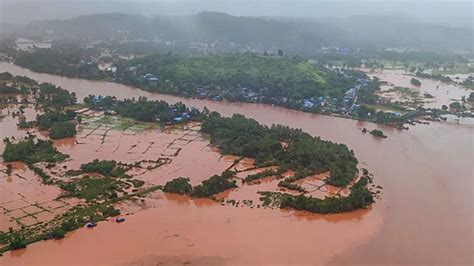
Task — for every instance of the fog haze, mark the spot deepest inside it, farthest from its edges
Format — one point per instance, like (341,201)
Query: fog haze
(449,13)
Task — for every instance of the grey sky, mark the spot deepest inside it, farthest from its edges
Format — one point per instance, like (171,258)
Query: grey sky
(433,11)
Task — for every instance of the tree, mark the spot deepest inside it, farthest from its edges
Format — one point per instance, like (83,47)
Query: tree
(471,97)
(178,185)
(415,82)
(60,130)
(17,241)
(456,106)
(280,52)
(58,233)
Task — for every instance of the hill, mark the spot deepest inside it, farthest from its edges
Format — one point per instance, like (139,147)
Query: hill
(295,35)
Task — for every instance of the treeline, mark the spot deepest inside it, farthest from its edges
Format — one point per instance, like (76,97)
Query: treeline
(433,76)
(63,62)
(52,96)
(11,84)
(360,197)
(305,154)
(143,109)
(208,187)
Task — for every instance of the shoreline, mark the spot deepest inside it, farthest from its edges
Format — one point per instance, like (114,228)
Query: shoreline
(413,167)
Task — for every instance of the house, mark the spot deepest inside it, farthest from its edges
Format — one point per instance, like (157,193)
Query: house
(151,79)
(96,99)
(186,115)
(112,69)
(307,103)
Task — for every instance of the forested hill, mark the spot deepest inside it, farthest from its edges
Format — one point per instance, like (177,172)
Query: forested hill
(294,35)
(237,77)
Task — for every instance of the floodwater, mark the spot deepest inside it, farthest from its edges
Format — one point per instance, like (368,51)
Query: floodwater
(443,93)
(425,215)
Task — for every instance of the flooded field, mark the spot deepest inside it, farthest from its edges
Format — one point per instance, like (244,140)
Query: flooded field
(443,93)
(424,216)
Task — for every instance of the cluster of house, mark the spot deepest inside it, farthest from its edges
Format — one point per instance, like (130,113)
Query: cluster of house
(311,102)
(183,117)
(203,93)
(349,95)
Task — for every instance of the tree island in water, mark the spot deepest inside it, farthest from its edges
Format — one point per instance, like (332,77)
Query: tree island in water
(87,160)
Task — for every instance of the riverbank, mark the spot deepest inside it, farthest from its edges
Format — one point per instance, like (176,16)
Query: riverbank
(415,168)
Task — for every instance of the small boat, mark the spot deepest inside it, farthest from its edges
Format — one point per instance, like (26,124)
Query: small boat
(91,225)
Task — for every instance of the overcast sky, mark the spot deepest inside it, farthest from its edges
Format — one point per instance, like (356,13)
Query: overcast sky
(434,11)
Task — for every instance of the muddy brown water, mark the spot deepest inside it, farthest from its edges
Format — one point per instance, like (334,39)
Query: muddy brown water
(425,216)
(443,93)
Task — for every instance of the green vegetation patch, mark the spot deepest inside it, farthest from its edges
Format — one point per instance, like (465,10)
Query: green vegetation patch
(179,185)
(213,185)
(242,136)
(208,187)
(62,130)
(89,188)
(104,167)
(378,133)
(45,121)
(30,152)
(266,173)
(226,75)
(360,197)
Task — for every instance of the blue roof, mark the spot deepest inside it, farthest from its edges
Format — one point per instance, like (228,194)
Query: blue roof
(308,103)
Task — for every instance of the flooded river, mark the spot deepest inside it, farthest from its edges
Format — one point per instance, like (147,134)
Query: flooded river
(443,93)
(425,215)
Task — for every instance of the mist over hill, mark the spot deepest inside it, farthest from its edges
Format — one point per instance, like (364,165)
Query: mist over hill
(442,12)
(293,35)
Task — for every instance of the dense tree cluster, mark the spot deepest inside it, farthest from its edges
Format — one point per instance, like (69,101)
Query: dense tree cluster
(143,109)
(415,82)
(53,96)
(45,121)
(359,197)
(30,152)
(213,185)
(208,187)
(59,123)
(104,167)
(4,89)
(306,155)
(64,62)
(62,130)
(17,241)
(378,133)
(178,185)
(455,106)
